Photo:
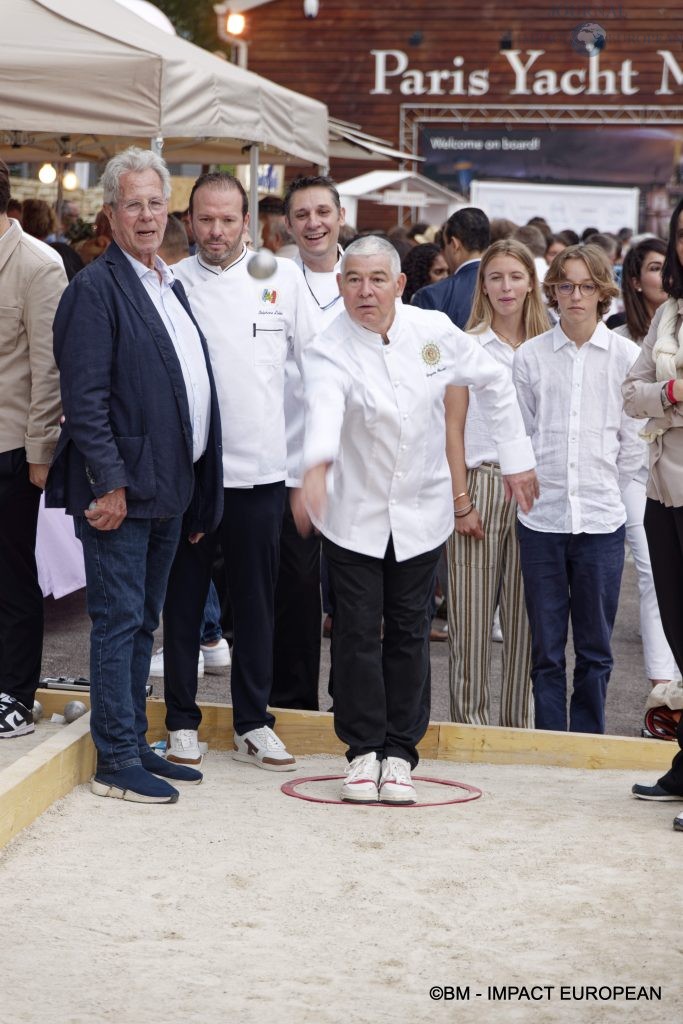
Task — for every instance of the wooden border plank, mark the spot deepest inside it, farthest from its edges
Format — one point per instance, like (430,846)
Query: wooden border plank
(491,745)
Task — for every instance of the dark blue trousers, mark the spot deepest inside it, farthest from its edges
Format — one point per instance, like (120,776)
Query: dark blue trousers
(579,576)
(250,539)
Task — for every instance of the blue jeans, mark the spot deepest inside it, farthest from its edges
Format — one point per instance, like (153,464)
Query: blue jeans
(126,572)
(211,630)
(579,575)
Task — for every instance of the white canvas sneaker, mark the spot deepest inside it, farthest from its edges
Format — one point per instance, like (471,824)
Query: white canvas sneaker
(362,777)
(183,747)
(156,667)
(216,656)
(396,784)
(262,748)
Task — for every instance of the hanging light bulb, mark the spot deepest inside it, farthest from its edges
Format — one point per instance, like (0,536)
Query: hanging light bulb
(70,181)
(235,24)
(47,174)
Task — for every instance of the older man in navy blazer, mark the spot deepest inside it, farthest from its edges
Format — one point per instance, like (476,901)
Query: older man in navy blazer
(138,460)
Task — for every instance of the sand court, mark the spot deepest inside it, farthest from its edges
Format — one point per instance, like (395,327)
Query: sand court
(242,904)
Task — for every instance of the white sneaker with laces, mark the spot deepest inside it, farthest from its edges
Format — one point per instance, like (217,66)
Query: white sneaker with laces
(183,747)
(156,666)
(262,748)
(396,785)
(216,656)
(362,777)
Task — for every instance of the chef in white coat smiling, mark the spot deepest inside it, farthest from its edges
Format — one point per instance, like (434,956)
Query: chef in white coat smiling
(375,423)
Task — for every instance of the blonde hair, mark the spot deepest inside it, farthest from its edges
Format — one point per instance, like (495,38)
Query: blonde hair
(599,270)
(534,316)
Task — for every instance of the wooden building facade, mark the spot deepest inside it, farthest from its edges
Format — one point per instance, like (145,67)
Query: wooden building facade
(587,93)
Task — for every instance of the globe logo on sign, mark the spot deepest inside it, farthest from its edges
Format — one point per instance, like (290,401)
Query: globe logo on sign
(589,39)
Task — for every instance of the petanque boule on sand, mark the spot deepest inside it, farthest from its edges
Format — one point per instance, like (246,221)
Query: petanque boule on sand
(262,264)
(73,710)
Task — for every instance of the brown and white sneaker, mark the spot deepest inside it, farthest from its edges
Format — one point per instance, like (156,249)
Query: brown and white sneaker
(183,747)
(262,748)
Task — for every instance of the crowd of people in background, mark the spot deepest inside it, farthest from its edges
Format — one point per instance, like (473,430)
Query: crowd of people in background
(472,306)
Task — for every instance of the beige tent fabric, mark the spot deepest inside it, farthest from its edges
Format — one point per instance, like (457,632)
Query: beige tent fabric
(88,77)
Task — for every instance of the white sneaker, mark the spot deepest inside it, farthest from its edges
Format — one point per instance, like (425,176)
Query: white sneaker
(156,667)
(396,785)
(183,747)
(362,776)
(262,748)
(216,656)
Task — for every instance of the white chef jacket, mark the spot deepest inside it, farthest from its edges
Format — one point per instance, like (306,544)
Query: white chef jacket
(479,443)
(376,412)
(326,304)
(250,325)
(588,449)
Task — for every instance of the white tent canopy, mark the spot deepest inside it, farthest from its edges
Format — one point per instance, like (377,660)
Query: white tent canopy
(433,202)
(83,78)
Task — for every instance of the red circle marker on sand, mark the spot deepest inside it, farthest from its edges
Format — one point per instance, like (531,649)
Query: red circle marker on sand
(291,789)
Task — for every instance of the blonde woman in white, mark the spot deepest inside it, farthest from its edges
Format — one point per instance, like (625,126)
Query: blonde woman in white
(483,553)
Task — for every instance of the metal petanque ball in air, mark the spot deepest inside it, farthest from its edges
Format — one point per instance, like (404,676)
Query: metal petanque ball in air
(262,264)
(73,710)
(37,711)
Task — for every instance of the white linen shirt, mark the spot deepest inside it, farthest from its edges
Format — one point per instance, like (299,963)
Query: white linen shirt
(376,412)
(186,343)
(250,326)
(588,449)
(326,304)
(479,444)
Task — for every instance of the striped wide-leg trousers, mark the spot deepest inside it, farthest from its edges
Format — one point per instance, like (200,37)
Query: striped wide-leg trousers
(482,574)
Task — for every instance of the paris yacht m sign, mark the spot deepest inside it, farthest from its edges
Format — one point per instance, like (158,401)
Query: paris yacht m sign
(528,77)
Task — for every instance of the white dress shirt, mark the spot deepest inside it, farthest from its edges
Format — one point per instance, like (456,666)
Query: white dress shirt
(325,304)
(588,449)
(186,343)
(250,326)
(376,412)
(479,444)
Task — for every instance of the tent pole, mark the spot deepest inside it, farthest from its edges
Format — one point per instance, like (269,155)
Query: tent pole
(253,193)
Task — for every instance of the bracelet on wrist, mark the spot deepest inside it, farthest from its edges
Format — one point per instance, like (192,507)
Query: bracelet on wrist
(460,513)
(670,392)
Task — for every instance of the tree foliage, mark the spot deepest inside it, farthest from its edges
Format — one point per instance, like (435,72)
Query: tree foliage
(193,19)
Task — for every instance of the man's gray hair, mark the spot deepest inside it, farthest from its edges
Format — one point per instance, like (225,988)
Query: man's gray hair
(373,245)
(132,159)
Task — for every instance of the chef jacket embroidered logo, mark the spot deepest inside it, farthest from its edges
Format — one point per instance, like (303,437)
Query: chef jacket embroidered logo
(268,295)
(431,354)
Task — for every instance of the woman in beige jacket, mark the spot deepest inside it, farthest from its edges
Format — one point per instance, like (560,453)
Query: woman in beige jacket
(653,390)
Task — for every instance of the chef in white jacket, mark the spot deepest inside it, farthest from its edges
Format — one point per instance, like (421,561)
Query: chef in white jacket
(378,487)
(250,326)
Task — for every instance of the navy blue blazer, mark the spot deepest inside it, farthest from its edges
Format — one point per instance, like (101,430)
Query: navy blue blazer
(127,418)
(452,296)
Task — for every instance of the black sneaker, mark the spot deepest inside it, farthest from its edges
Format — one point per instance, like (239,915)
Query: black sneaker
(655,792)
(678,823)
(15,719)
